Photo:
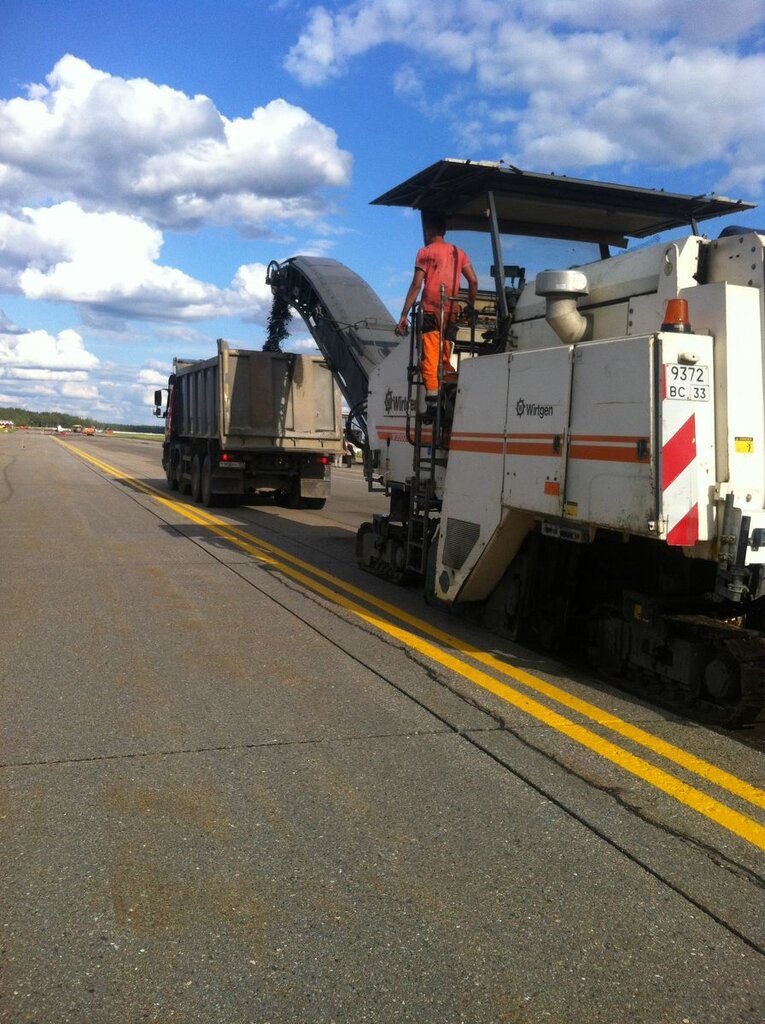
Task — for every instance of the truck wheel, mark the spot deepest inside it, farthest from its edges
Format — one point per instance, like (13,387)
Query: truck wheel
(312,503)
(172,473)
(206,495)
(196,479)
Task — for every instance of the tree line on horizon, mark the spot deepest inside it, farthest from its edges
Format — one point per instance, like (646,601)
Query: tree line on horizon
(27,418)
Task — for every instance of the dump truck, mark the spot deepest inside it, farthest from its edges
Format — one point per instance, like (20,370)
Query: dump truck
(251,422)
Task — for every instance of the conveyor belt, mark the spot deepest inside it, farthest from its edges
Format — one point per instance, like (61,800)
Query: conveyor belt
(348,321)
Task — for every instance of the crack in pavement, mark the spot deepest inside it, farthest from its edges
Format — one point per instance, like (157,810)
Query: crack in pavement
(222,748)
(468,735)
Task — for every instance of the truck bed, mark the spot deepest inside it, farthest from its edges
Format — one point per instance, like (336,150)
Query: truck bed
(258,400)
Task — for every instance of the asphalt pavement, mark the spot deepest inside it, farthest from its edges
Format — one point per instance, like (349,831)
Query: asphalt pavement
(225,800)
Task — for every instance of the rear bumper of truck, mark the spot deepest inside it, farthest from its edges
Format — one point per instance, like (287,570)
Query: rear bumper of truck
(289,476)
(248,473)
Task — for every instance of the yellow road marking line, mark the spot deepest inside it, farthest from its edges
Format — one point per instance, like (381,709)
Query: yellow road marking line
(683,758)
(741,825)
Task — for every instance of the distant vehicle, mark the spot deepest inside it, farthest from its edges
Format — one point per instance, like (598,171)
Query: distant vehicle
(76,428)
(249,422)
(88,431)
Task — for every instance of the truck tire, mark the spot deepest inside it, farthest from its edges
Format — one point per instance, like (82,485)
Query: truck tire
(196,479)
(206,495)
(172,472)
(289,497)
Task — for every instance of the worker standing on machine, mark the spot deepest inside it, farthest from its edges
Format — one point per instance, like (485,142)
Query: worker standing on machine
(438,265)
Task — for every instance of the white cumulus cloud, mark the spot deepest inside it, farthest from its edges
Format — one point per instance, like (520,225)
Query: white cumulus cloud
(39,349)
(330,40)
(41,369)
(573,84)
(151,378)
(130,145)
(95,172)
(108,263)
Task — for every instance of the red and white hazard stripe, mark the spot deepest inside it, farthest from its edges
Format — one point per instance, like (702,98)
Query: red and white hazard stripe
(679,487)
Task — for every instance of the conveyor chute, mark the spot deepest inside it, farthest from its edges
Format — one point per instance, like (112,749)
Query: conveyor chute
(347,319)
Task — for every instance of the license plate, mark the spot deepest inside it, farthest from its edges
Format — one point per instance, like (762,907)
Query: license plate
(686,383)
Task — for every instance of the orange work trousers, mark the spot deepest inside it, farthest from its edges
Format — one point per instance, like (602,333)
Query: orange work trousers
(429,361)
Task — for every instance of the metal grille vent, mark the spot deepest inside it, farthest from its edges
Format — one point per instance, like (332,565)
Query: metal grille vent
(461,537)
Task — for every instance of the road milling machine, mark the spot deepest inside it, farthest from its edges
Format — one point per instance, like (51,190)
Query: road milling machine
(594,478)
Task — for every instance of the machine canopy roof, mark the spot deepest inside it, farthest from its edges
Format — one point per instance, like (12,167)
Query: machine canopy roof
(550,205)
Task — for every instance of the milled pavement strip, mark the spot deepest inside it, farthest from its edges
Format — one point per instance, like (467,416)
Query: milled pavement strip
(735,822)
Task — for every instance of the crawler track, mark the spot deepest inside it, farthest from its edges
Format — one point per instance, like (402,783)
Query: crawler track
(731,691)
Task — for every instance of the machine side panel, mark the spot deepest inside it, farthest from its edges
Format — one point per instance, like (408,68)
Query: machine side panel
(472,512)
(475,471)
(537,421)
(731,314)
(628,445)
(611,472)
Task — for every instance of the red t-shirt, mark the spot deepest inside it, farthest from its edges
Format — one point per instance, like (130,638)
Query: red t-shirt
(442,263)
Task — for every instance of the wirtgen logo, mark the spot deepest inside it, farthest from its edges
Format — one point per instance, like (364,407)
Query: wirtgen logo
(397,404)
(533,409)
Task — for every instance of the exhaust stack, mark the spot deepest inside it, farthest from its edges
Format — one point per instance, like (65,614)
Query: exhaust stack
(561,288)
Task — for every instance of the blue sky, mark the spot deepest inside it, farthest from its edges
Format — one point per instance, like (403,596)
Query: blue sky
(154,157)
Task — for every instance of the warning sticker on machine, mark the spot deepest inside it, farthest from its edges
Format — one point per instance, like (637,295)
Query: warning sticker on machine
(685,383)
(745,445)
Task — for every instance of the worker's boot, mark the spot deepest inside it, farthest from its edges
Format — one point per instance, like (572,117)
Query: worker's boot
(431,401)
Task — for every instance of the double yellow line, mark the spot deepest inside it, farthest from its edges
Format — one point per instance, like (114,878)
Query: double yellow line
(457,649)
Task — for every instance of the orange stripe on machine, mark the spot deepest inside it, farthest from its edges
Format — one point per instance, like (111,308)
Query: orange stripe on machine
(607,451)
(481,447)
(590,447)
(399,434)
